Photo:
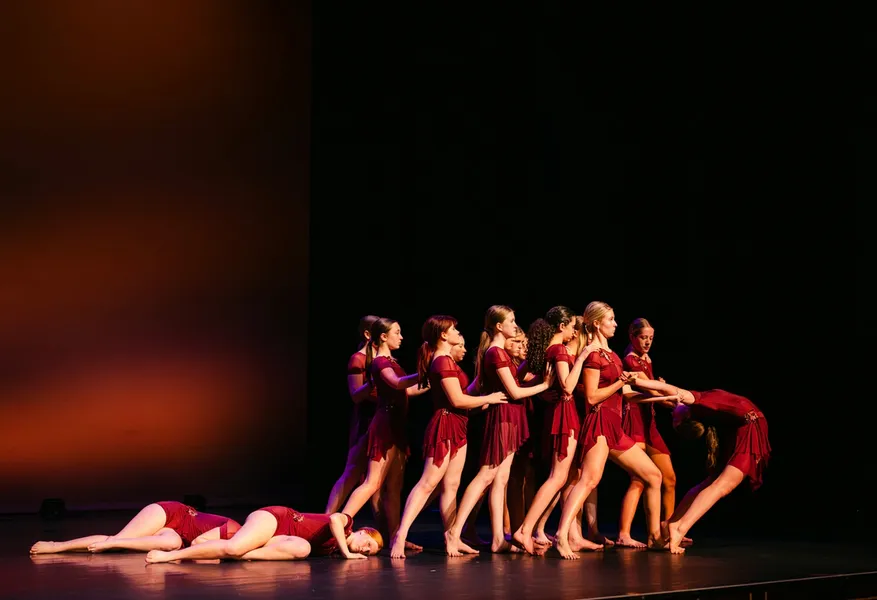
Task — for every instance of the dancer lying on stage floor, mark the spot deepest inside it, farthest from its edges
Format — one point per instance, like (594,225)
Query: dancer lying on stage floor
(742,437)
(280,533)
(158,526)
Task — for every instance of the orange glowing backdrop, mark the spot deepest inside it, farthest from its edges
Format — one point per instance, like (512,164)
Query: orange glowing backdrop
(154,251)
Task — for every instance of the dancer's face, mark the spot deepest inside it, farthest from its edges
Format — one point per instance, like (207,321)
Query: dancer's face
(363,543)
(642,342)
(393,337)
(681,413)
(607,324)
(458,351)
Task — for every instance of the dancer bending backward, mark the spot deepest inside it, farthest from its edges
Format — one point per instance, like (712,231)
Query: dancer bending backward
(387,438)
(365,397)
(280,533)
(562,424)
(158,526)
(505,426)
(640,425)
(602,435)
(734,425)
(444,442)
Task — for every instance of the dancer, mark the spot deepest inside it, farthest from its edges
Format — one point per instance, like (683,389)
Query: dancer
(602,434)
(387,439)
(364,396)
(280,533)
(731,423)
(562,422)
(505,427)
(640,425)
(158,526)
(444,443)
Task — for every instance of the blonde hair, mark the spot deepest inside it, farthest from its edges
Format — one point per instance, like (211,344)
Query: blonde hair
(495,315)
(595,311)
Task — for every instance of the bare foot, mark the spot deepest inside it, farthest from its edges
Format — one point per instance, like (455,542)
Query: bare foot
(523,540)
(411,547)
(452,544)
(466,548)
(686,541)
(157,556)
(397,548)
(44,548)
(578,544)
(625,541)
(563,548)
(665,532)
(541,539)
(675,539)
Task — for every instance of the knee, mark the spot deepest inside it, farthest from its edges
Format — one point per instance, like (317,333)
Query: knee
(637,483)
(669,480)
(299,548)
(234,549)
(652,477)
(450,485)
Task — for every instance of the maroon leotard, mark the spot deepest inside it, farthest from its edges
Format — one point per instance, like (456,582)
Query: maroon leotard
(561,418)
(605,418)
(639,419)
(189,523)
(505,427)
(387,429)
(364,412)
(446,431)
(742,430)
(313,527)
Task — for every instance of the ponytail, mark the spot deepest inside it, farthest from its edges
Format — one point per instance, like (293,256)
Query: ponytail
(424,358)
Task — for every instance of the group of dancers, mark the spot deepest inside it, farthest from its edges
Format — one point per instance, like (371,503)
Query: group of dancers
(558,392)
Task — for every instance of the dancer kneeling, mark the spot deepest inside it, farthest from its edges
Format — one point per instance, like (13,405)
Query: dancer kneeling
(280,533)
(745,449)
(158,526)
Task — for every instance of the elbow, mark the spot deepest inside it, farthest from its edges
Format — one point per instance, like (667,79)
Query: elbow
(592,400)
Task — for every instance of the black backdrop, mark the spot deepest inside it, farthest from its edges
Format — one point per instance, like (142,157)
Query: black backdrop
(692,165)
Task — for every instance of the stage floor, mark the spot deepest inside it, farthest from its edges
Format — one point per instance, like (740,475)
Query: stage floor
(715,567)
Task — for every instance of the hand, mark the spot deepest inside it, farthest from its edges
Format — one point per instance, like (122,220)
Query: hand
(354,555)
(549,375)
(662,380)
(628,376)
(497,398)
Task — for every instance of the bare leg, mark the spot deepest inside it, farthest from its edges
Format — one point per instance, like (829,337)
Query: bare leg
(375,475)
(281,547)
(392,499)
(515,502)
(540,538)
(592,471)
(471,498)
(146,523)
(545,498)
(450,486)
(668,485)
(357,458)
(701,502)
(420,493)
(497,505)
(590,513)
(470,532)
(636,462)
(257,531)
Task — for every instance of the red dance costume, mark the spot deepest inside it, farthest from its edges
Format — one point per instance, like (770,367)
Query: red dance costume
(605,418)
(189,523)
(561,418)
(313,527)
(387,429)
(364,412)
(535,415)
(639,419)
(505,427)
(446,430)
(742,431)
